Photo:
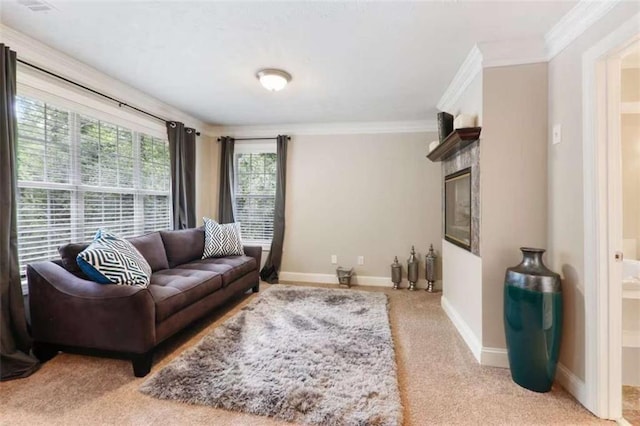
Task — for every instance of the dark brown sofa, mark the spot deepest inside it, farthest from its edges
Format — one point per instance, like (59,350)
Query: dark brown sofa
(71,313)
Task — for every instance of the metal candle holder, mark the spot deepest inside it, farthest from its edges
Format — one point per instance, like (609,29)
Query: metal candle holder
(412,269)
(430,268)
(396,273)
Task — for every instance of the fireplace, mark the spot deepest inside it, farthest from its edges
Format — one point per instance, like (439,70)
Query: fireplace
(457,211)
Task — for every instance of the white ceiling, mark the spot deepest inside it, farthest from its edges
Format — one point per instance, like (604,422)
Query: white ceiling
(350,61)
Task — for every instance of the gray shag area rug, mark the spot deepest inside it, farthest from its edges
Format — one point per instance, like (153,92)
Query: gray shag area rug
(300,354)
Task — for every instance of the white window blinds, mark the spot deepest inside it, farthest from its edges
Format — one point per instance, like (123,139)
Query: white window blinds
(77,174)
(255,194)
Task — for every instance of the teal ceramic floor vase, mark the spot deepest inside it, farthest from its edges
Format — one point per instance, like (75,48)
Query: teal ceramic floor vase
(533,321)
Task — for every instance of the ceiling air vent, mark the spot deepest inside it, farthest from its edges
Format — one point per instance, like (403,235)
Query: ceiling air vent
(36,5)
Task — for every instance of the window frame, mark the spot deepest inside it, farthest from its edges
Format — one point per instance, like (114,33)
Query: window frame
(252,147)
(65,98)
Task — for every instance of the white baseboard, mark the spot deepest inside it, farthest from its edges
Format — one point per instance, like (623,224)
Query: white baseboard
(364,280)
(465,331)
(304,277)
(494,357)
(572,384)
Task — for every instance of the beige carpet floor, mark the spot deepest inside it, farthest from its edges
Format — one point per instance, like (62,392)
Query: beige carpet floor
(631,404)
(440,382)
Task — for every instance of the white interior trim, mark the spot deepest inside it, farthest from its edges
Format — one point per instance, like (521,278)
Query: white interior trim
(630,107)
(249,147)
(465,331)
(571,383)
(494,357)
(44,89)
(55,61)
(574,23)
(524,51)
(467,72)
(614,232)
(602,366)
(364,280)
(346,128)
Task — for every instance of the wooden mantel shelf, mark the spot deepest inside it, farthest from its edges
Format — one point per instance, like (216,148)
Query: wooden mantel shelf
(456,141)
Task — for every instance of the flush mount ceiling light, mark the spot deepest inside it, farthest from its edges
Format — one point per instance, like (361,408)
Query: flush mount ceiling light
(273,79)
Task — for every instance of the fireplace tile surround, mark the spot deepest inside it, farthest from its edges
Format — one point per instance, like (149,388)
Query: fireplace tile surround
(467,157)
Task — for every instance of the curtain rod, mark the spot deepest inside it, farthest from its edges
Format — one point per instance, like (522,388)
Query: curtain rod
(95,92)
(256,139)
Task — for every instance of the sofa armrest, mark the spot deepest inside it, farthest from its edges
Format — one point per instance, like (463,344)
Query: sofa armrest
(255,252)
(68,310)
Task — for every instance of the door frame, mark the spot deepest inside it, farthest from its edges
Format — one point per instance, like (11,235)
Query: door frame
(603,219)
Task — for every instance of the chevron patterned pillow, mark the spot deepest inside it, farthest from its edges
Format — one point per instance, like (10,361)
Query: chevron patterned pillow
(112,260)
(221,240)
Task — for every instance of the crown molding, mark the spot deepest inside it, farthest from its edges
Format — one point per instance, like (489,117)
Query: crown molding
(574,23)
(470,68)
(524,51)
(55,61)
(337,128)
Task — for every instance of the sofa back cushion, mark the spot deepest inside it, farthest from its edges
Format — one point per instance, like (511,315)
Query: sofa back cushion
(68,255)
(152,248)
(183,246)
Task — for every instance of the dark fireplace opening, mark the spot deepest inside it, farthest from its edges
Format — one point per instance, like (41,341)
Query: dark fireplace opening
(457,211)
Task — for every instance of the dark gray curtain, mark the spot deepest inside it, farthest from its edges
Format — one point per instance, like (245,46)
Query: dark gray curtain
(226,206)
(182,148)
(15,342)
(269,272)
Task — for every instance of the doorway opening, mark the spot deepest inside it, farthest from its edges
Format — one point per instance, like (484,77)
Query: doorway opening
(630,162)
(603,208)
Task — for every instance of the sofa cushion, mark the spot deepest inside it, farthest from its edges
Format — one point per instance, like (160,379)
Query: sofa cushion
(152,248)
(183,246)
(231,268)
(221,240)
(174,289)
(69,253)
(112,260)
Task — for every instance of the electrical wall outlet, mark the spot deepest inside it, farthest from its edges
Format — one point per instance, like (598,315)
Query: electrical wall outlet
(334,259)
(360,260)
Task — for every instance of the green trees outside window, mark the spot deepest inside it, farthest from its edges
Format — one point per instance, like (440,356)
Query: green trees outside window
(255,194)
(77,173)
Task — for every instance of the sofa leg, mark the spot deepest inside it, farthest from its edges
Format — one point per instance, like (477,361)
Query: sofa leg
(256,288)
(44,351)
(142,363)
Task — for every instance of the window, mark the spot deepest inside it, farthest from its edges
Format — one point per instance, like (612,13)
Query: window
(255,190)
(77,174)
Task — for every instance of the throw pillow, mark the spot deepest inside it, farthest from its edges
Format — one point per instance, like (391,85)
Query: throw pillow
(112,260)
(221,240)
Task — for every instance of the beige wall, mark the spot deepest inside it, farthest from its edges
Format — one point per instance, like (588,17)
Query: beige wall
(513,180)
(360,195)
(566,214)
(630,85)
(630,136)
(207,169)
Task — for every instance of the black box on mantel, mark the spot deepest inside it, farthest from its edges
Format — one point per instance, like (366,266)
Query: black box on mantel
(445,125)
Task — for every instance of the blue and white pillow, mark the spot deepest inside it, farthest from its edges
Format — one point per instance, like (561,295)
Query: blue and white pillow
(112,260)
(221,240)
